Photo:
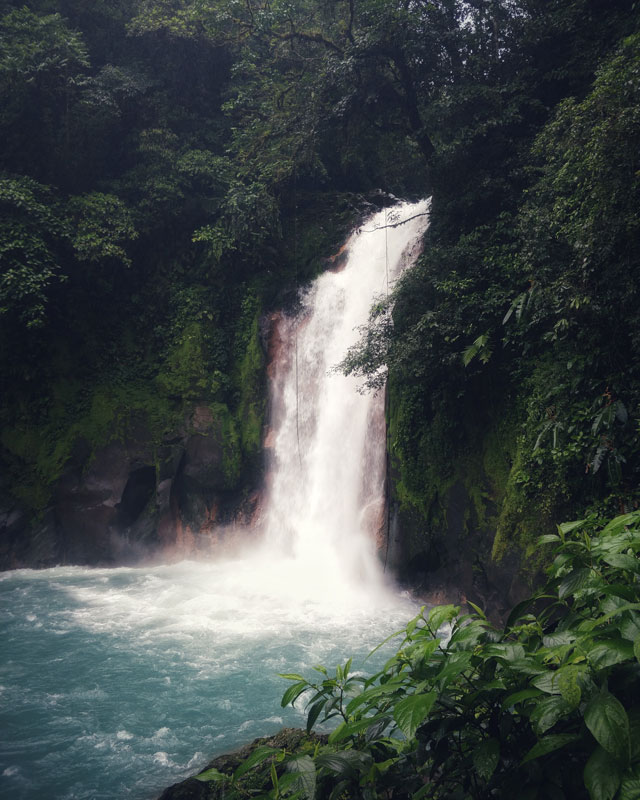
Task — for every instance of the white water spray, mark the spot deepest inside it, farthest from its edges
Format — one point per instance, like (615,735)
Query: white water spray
(120,681)
(325,505)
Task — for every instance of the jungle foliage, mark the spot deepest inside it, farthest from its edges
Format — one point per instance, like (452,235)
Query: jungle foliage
(546,706)
(163,160)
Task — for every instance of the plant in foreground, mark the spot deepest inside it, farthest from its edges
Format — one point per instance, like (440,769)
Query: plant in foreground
(548,706)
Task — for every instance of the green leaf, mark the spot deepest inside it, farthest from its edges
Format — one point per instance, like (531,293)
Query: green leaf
(376,692)
(567,527)
(293,676)
(486,757)
(630,788)
(410,712)
(607,653)
(574,581)
(636,649)
(508,652)
(607,720)
(620,523)
(292,693)
(314,713)
(453,666)
(477,609)
(629,626)
(344,764)
(568,685)
(548,712)
(259,755)
(211,775)
(441,614)
(548,744)
(622,561)
(547,682)
(549,537)
(519,697)
(348,729)
(601,775)
(305,769)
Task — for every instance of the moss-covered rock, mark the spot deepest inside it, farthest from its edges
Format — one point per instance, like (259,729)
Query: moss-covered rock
(288,739)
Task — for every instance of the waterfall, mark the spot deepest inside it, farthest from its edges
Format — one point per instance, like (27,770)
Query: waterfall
(325,507)
(121,681)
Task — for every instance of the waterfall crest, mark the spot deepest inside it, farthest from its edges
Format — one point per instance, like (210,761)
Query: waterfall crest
(325,503)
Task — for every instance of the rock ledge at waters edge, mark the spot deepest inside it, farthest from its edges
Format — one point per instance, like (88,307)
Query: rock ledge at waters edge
(290,739)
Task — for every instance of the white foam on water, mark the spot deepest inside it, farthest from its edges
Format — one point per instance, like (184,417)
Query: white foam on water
(115,682)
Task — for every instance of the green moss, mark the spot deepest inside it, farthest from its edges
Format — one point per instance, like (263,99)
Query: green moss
(38,448)
(186,372)
(250,377)
(231,448)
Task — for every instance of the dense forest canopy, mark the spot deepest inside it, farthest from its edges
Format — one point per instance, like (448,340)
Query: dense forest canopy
(171,168)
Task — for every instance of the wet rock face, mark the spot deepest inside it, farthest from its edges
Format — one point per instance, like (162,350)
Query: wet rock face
(129,500)
(452,562)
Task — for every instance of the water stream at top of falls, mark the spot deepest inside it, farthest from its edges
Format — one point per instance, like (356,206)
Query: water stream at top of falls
(119,682)
(325,503)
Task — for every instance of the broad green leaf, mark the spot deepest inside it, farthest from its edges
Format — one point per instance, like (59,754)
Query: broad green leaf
(527,666)
(559,638)
(567,527)
(630,788)
(305,769)
(547,682)
(621,522)
(421,651)
(574,581)
(594,623)
(548,744)
(607,653)
(485,758)
(292,693)
(348,729)
(569,686)
(293,676)
(211,775)
(453,666)
(608,722)
(410,712)
(346,763)
(259,755)
(439,615)
(468,635)
(374,693)
(549,537)
(548,712)
(519,697)
(634,735)
(314,713)
(623,561)
(508,652)
(629,626)
(338,790)
(601,775)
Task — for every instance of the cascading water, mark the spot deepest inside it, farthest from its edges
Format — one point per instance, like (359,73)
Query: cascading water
(325,506)
(118,682)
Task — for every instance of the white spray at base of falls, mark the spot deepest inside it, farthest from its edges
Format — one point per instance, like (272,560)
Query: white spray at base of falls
(119,682)
(325,505)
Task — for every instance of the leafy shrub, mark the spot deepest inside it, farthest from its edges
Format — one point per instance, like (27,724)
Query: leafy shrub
(547,706)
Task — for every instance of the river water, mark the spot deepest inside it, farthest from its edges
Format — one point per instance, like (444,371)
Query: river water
(118,682)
